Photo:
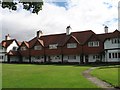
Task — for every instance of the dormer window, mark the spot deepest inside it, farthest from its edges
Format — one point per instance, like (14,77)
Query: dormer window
(72,45)
(23,48)
(53,46)
(39,47)
(93,44)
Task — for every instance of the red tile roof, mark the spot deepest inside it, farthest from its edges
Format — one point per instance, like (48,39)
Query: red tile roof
(13,53)
(105,36)
(6,43)
(25,43)
(83,36)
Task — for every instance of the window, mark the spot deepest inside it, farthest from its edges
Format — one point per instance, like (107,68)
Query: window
(72,45)
(1,57)
(53,46)
(23,48)
(109,55)
(115,40)
(96,56)
(119,55)
(113,55)
(93,44)
(71,57)
(38,47)
(14,48)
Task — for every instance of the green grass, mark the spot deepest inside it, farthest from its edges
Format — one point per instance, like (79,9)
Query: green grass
(44,76)
(109,74)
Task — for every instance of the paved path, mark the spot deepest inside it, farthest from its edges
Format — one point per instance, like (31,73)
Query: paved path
(97,81)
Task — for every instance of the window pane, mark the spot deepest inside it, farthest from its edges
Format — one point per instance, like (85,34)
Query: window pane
(109,55)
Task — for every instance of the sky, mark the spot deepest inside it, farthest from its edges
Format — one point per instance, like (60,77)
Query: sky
(56,15)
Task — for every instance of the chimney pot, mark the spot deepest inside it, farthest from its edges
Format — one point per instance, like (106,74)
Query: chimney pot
(7,37)
(68,30)
(106,29)
(39,33)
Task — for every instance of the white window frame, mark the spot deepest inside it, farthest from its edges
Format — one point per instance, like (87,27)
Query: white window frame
(115,40)
(38,47)
(53,46)
(93,44)
(71,45)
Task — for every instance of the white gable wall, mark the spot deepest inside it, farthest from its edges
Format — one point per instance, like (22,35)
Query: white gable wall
(108,44)
(10,47)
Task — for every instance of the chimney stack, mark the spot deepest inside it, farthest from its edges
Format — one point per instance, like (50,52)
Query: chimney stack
(68,30)
(7,37)
(39,33)
(106,29)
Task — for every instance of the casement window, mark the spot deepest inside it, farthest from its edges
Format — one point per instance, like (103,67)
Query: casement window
(53,46)
(119,55)
(115,55)
(55,57)
(115,40)
(72,57)
(14,48)
(96,56)
(23,48)
(109,55)
(72,45)
(39,47)
(1,57)
(38,57)
(93,44)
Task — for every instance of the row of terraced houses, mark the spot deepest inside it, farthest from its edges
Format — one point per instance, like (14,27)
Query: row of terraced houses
(76,47)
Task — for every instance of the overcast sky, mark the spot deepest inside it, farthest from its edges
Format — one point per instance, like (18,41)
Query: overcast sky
(56,15)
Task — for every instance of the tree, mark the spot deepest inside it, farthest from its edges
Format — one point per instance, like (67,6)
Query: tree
(31,5)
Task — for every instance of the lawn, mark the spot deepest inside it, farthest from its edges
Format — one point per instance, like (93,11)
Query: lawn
(44,76)
(109,74)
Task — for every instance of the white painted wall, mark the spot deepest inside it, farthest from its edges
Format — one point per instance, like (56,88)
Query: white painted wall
(54,58)
(91,59)
(2,54)
(14,59)
(10,47)
(33,59)
(25,59)
(108,44)
(65,58)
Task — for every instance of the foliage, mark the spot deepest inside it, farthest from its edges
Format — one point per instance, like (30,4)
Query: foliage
(33,5)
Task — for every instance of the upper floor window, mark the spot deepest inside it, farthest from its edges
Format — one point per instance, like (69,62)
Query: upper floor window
(53,46)
(23,48)
(93,44)
(39,47)
(14,48)
(72,45)
(115,40)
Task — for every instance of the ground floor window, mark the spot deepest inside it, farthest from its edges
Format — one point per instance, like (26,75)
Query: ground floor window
(114,55)
(1,57)
(96,56)
(119,55)
(38,57)
(72,57)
